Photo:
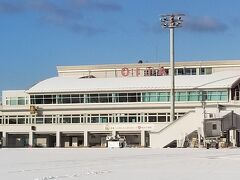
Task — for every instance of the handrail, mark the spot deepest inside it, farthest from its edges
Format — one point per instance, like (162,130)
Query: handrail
(173,122)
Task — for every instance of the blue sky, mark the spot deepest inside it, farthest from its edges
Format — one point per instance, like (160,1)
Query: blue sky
(36,36)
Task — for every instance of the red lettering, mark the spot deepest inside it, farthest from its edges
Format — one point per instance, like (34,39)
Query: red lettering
(137,71)
(162,71)
(149,71)
(125,71)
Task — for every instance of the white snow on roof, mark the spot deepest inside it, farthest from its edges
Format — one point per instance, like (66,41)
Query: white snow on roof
(224,79)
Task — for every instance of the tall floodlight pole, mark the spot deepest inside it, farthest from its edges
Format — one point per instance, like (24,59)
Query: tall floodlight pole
(172,21)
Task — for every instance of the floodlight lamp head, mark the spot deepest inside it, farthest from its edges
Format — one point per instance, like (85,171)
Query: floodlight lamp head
(178,23)
(164,25)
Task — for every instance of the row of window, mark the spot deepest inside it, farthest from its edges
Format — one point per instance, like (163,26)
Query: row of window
(12,101)
(178,71)
(90,118)
(129,97)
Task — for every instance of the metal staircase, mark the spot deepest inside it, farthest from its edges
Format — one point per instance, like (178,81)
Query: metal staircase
(177,130)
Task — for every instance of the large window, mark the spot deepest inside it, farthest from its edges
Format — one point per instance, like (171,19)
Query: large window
(193,96)
(181,96)
(14,101)
(185,71)
(156,96)
(203,71)
(90,118)
(217,96)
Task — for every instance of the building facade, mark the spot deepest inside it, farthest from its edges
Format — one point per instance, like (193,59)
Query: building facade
(85,104)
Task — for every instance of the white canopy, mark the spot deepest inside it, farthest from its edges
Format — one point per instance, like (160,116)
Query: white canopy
(219,80)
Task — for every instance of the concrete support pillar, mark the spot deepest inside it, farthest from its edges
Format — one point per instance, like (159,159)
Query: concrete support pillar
(199,137)
(143,139)
(4,139)
(85,138)
(58,139)
(114,133)
(232,137)
(30,139)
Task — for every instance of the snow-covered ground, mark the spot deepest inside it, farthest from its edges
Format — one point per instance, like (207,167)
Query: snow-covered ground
(114,164)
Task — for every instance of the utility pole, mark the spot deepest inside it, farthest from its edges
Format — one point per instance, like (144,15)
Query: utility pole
(172,21)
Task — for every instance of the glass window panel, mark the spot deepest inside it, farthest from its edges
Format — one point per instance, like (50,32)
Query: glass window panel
(213,95)
(116,119)
(123,119)
(115,97)
(153,97)
(7,102)
(132,97)
(164,96)
(39,96)
(48,99)
(75,95)
(94,119)
(202,71)
(81,99)
(224,95)
(187,71)
(13,101)
(194,71)
(161,118)
(152,118)
(39,120)
(138,97)
(39,99)
(132,118)
(179,71)
(140,118)
(48,120)
(209,70)
(83,120)
(32,99)
(66,99)
(12,121)
(103,119)
(59,99)
(145,97)
(54,99)
(122,97)
(103,98)
(47,96)
(75,119)
(93,98)
(193,96)
(181,96)
(66,119)
(21,120)
(21,100)
(75,98)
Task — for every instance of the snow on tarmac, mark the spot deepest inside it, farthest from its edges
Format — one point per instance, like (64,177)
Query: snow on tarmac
(114,164)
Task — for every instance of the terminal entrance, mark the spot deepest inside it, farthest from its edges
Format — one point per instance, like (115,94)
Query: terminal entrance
(72,140)
(133,139)
(17,140)
(44,140)
(96,139)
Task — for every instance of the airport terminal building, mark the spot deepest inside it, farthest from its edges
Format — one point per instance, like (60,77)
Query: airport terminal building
(85,104)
